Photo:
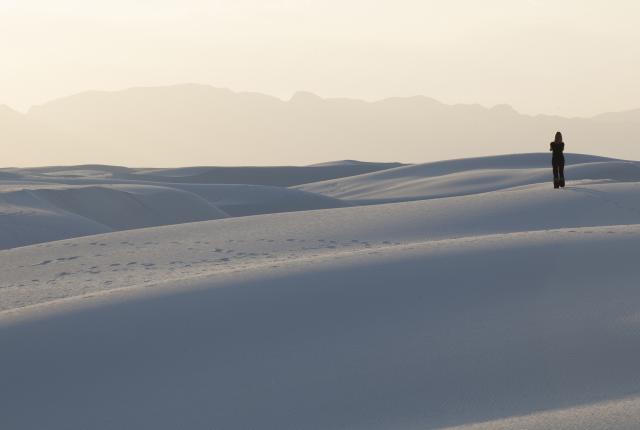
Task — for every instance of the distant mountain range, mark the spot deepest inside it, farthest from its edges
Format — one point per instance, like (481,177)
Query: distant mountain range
(197,124)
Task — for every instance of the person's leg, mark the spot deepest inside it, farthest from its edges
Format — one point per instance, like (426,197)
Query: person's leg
(556,176)
(561,174)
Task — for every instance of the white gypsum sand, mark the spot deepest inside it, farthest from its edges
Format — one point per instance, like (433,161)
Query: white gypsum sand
(502,307)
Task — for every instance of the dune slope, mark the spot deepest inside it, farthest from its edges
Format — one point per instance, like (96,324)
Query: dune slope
(40,273)
(37,211)
(33,213)
(469,176)
(417,336)
(282,176)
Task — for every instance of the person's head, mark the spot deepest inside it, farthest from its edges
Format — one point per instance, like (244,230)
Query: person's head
(558,137)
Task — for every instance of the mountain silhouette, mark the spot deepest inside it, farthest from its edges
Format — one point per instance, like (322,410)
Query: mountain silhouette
(198,124)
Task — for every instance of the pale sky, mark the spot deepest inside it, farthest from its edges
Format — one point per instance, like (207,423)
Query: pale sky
(567,57)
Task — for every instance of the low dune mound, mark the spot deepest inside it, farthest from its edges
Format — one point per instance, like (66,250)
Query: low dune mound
(41,213)
(284,176)
(469,176)
(7,175)
(34,212)
(77,170)
(243,200)
(353,163)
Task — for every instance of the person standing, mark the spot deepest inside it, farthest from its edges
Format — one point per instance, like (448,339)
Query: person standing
(557,160)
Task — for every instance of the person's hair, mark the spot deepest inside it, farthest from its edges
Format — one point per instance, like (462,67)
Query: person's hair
(558,137)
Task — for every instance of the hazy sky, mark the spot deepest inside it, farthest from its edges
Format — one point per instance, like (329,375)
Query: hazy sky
(569,57)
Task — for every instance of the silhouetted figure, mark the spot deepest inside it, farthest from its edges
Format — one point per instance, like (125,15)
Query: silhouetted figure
(557,161)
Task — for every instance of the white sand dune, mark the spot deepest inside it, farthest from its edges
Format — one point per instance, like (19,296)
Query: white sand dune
(243,200)
(28,222)
(505,307)
(39,273)
(415,336)
(282,176)
(468,176)
(35,211)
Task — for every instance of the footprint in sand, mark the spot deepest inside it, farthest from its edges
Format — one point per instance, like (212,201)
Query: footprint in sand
(67,258)
(45,262)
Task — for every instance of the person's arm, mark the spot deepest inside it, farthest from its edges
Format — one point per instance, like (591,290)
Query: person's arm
(551,146)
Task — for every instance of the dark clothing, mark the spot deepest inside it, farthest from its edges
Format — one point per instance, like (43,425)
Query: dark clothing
(558,171)
(557,149)
(557,161)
